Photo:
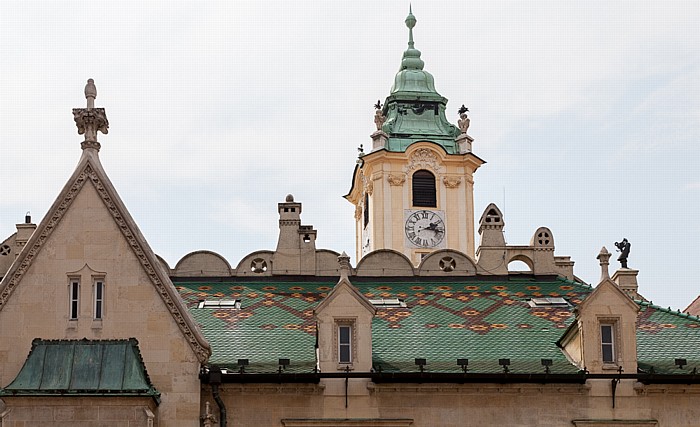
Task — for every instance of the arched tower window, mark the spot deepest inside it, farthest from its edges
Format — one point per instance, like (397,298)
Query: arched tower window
(366,210)
(424,189)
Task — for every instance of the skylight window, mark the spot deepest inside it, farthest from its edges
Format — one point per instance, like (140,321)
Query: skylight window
(549,302)
(388,303)
(222,303)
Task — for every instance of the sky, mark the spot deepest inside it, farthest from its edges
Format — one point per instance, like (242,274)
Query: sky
(587,113)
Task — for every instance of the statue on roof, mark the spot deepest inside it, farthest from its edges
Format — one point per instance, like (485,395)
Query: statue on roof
(624,248)
(463,121)
(379,117)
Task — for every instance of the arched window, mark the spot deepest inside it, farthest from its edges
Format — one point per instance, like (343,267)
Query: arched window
(424,189)
(366,210)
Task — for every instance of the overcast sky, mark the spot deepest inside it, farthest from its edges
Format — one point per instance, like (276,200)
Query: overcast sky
(588,114)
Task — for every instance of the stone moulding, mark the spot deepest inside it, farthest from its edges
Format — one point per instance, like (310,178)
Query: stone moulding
(346,422)
(27,256)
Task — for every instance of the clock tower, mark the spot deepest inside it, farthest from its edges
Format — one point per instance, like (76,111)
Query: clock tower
(413,191)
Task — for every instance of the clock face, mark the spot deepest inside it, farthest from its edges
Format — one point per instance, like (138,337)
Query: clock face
(425,229)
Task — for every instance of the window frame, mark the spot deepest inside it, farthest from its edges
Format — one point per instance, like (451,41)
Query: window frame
(73,298)
(352,324)
(611,345)
(98,287)
(433,196)
(348,344)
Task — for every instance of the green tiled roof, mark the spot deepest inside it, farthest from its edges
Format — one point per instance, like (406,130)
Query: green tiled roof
(83,367)
(664,335)
(479,319)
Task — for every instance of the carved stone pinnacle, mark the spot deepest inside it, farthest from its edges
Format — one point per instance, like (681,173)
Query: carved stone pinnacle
(90,120)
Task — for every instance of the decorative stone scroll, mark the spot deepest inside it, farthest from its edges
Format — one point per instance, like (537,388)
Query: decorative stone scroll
(423,158)
(358,212)
(369,187)
(452,181)
(396,179)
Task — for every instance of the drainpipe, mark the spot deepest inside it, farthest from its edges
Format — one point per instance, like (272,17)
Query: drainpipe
(214,378)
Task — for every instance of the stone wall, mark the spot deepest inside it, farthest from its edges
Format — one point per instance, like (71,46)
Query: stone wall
(87,243)
(78,412)
(453,405)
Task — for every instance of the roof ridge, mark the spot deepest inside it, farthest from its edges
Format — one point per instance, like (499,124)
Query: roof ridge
(668,310)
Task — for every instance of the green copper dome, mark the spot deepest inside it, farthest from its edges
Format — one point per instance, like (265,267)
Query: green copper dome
(414,110)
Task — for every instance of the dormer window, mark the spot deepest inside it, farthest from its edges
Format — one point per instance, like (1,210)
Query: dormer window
(424,193)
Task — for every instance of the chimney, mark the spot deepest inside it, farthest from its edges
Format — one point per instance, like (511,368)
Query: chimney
(24,232)
(626,280)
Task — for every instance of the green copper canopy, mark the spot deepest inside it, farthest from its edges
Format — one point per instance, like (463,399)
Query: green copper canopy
(414,110)
(83,368)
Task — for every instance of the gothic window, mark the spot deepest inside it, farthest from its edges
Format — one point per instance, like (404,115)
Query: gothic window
(424,193)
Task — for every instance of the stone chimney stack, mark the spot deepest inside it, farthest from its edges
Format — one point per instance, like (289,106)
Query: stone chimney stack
(626,280)
(24,232)
(296,245)
(491,253)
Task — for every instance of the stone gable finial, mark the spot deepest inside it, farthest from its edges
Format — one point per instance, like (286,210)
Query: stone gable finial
(604,257)
(344,261)
(90,120)
(90,93)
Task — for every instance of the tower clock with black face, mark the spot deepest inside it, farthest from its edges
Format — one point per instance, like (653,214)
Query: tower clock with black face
(424,228)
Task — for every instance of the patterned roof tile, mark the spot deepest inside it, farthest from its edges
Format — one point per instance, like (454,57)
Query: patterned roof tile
(480,320)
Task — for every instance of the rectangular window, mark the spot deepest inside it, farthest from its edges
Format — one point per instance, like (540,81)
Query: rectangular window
(607,341)
(74,293)
(344,344)
(99,299)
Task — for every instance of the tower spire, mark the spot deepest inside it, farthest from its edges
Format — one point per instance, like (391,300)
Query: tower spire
(411,57)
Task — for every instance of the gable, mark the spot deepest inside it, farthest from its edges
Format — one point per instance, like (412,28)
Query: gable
(608,294)
(88,221)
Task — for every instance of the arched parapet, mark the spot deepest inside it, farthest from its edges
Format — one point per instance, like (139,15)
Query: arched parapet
(523,255)
(385,262)
(256,264)
(327,263)
(202,264)
(164,264)
(447,262)
(543,239)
